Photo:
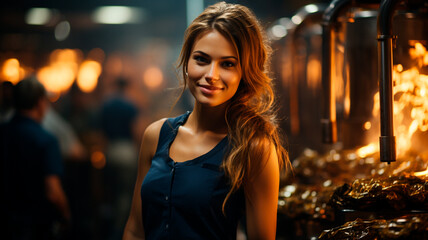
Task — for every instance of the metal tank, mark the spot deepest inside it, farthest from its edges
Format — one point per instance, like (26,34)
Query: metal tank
(297,62)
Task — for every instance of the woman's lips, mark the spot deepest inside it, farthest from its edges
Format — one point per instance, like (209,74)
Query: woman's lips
(209,89)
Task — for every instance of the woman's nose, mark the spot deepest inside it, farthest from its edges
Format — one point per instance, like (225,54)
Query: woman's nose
(213,73)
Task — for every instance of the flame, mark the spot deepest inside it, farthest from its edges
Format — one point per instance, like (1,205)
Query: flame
(422,173)
(410,99)
(368,150)
(419,53)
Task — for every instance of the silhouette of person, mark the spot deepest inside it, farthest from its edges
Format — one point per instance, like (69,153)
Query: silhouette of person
(33,200)
(71,147)
(117,117)
(6,101)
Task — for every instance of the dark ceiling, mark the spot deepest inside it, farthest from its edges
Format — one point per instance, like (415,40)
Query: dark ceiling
(165,19)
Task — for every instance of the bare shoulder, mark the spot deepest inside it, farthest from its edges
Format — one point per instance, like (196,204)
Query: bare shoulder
(152,131)
(266,162)
(151,136)
(271,158)
(266,147)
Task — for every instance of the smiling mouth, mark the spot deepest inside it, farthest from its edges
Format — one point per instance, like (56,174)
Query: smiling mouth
(210,87)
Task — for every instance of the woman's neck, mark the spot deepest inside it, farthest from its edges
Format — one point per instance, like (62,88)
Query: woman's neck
(210,119)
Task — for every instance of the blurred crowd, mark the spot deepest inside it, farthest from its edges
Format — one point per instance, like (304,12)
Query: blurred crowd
(93,155)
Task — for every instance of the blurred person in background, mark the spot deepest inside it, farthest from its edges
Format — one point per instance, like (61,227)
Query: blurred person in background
(204,171)
(71,147)
(118,120)
(76,181)
(6,101)
(34,204)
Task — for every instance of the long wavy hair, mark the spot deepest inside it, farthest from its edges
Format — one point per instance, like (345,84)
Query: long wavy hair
(250,116)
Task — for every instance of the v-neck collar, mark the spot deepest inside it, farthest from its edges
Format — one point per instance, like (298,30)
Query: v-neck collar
(220,145)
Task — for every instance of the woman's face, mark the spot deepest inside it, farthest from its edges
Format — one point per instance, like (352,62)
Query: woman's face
(213,70)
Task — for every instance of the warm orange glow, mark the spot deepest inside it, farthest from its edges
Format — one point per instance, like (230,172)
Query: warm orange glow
(53,96)
(338,74)
(12,70)
(87,78)
(410,100)
(410,90)
(368,150)
(98,160)
(65,55)
(418,51)
(367,125)
(153,77)
(114,65)
(376,104)
(313,73)
(96,54)
(347,98)
(59,75)
(422,173)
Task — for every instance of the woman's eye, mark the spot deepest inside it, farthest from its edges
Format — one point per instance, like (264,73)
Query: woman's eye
(200,59)
(228,64)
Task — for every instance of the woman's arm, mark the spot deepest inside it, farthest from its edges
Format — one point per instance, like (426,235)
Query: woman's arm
(262,198)
(134,226)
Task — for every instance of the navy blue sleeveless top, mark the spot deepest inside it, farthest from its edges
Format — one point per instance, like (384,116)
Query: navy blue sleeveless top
(183,200)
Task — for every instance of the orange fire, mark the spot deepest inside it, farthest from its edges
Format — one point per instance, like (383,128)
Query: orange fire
(422,173)
(410,99)
(368,150)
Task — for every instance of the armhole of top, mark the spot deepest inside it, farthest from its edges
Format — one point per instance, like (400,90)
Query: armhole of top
(169,126)
(161,137)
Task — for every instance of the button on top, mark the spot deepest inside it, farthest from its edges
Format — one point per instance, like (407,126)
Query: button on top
(167,226)
(166,198)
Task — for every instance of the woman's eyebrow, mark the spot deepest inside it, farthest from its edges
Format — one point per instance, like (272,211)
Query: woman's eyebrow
(206,55)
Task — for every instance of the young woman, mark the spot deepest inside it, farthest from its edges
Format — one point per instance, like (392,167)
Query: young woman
(200,173)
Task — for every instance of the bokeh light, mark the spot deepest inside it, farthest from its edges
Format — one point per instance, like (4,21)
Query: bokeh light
(87,78)
(12,71)
(153,77)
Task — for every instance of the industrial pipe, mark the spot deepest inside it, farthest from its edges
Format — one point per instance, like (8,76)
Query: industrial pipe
(329,125)
(385,40)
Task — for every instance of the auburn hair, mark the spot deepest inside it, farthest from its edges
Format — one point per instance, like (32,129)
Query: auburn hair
(250,117)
